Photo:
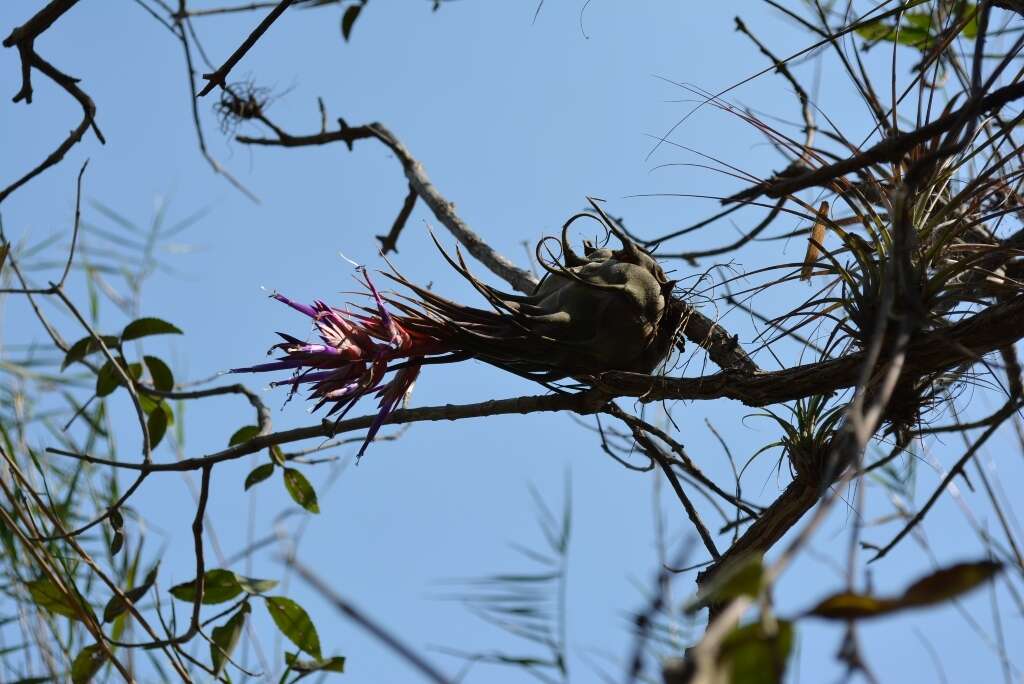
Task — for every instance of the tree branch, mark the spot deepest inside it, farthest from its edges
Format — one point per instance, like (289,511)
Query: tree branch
(23,37)
(968,340)
(893,148)
(444,210)
(582,402)
(217,77)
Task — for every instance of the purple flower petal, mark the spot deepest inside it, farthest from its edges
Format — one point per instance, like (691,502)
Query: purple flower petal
(272,366)
(304,308)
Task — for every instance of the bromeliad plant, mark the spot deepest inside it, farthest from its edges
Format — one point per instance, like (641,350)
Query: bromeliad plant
(606,310)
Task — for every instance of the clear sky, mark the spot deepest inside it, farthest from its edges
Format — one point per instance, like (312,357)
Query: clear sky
(516,122)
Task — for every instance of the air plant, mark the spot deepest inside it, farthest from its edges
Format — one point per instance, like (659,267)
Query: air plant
(607,310)
(240,102)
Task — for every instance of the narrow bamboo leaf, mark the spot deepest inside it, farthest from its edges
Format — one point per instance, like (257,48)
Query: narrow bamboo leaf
(294,623)
(300,490)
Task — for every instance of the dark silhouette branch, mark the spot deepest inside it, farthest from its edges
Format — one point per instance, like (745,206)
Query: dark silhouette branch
(522,280)
(931,352)
(890,149)
(217,77)
(583,402)
(389,242)
(23,37)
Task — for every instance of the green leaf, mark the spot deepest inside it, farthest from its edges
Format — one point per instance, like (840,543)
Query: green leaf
(300,490)
(753,655)
(220,586)
(109,379)
(116,606)
(86,346)
(87,663)
(243,434)
(259,474)
(914,37)
(948,583)
(970,29)
(151,404)
(256,586)
(157,425)
(876,30)
(932,589)
(294,623)
(348,19)
(850,606)
(116,543)
(225,638)
(163,379)
(144,327)
(4,249)
(148,403)
(915,31)
(743,577)
(918,20)
(277,455)
(47,595)
(335,664)
(116,519)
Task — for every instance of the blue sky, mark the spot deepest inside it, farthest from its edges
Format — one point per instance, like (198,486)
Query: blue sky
(516,122)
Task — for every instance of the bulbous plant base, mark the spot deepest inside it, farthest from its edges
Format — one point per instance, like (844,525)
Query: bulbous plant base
(607,310)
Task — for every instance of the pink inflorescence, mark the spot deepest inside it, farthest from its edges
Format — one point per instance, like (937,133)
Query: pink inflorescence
(356,353)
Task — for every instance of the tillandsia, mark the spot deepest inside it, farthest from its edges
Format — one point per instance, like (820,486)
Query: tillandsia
(603,311)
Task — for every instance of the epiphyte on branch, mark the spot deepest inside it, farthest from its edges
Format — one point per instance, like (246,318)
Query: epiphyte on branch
(609,309)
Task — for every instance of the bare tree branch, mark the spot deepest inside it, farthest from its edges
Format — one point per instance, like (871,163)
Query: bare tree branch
(23,37)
